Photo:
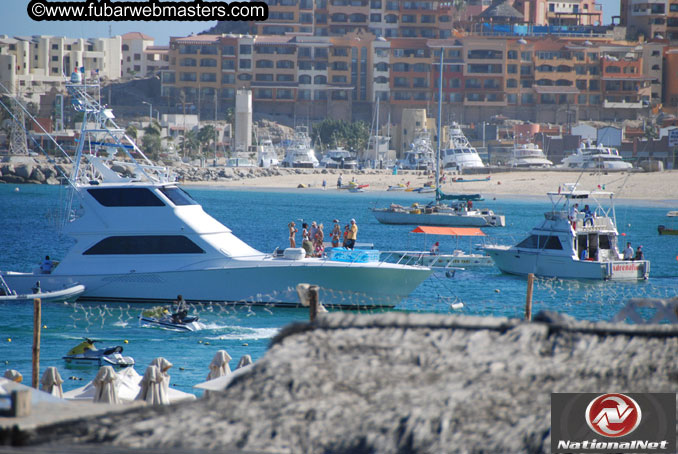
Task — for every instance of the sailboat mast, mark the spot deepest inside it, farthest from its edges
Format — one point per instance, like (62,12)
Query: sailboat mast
(376,135)
(440,118)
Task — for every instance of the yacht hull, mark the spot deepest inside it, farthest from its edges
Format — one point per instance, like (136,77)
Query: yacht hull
(356,285)
(514,261)
(438,219)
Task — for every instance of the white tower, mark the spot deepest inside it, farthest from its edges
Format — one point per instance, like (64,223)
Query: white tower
(243,120)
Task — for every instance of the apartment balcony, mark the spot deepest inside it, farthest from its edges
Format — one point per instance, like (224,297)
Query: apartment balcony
(623,105)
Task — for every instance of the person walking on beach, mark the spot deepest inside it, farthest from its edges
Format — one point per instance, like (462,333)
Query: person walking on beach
(293,232)
(628,252)
(336,233)
(340,181)
(352,235)
(324,184)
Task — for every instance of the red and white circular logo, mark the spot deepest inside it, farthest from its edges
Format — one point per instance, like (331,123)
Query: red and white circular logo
(613,415)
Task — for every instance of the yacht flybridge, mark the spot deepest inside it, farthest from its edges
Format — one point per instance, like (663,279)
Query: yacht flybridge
(141,238)
(571,244)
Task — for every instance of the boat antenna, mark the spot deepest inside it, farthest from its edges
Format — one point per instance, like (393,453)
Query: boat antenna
(440,117)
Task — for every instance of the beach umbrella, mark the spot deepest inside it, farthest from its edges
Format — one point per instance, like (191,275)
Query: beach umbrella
(153,387)
(51,382)
(219,365)
(105,386)
(14,375)
(246,360)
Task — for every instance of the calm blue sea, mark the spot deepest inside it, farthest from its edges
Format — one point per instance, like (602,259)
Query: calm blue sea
(259,217)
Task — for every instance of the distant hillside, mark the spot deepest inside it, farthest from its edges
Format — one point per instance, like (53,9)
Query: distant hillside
(225,27)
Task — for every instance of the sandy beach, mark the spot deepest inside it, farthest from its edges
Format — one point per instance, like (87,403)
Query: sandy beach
(656,186)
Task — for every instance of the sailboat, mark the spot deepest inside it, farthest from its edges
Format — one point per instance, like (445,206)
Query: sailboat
(459,213)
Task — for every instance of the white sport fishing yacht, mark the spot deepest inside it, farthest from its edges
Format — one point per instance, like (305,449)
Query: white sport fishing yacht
(420,156)
(590,156)
(569,244)
(267,156)
(299,153)
(528,155)
(143,239)
(459,153)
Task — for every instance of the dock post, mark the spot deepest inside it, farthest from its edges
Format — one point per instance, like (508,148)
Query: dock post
(313,302)
(528,299)
(37,315)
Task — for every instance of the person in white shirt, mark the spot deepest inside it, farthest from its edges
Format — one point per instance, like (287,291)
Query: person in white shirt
(628,252)
(574,211)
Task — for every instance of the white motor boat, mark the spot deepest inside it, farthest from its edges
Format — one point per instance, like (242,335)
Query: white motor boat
(420,155)
(86,354)
(267,156)
(590,156)
(339,159)
(570,245)
(141,238)
(459,154)
(528,155)
(239,162)
(56,295)
(299,153)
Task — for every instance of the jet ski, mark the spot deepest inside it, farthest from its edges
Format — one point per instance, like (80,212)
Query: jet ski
(177,321)
(85,353)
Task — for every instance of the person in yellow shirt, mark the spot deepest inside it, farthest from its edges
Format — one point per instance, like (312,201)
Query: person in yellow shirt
(352,235)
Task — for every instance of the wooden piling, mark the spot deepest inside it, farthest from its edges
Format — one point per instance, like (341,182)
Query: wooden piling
(313,302)
(528,299)
(37,316)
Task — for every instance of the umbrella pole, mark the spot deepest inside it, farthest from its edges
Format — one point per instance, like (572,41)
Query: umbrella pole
(37,315)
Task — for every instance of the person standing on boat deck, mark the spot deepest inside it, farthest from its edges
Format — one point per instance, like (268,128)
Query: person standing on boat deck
(574,211)
(336,233)
(435,248)
(352,235)
(588,215)
(306,240)
(46,265)
(293,232)
(628,252)
(340,182)
(469,204)
(639,254)
(345,241)
(312,231)
(318,241)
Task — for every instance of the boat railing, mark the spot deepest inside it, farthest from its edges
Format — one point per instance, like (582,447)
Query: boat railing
(599,222)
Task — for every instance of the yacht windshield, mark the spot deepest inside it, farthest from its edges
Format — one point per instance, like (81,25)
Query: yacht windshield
(177,196)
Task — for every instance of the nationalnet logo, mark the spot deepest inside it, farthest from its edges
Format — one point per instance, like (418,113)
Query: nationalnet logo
(614,422)
(613,415)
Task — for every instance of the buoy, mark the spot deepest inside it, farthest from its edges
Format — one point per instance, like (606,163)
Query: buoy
(207,343)
(245,345)
(9,339)
(457,305)
(44,326)
(496,290)
(623,234)
(16,189)
(181,368)
(200,342)
(125,341)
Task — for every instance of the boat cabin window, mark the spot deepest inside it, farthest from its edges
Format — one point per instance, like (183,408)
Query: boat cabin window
(541,242)
(126,197)
(604,242)
(178,196)
(146,244)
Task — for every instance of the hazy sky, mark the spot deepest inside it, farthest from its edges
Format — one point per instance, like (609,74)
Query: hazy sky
(15,21)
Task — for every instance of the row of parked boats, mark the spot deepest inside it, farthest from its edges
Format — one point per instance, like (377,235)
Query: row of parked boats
(457,154)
